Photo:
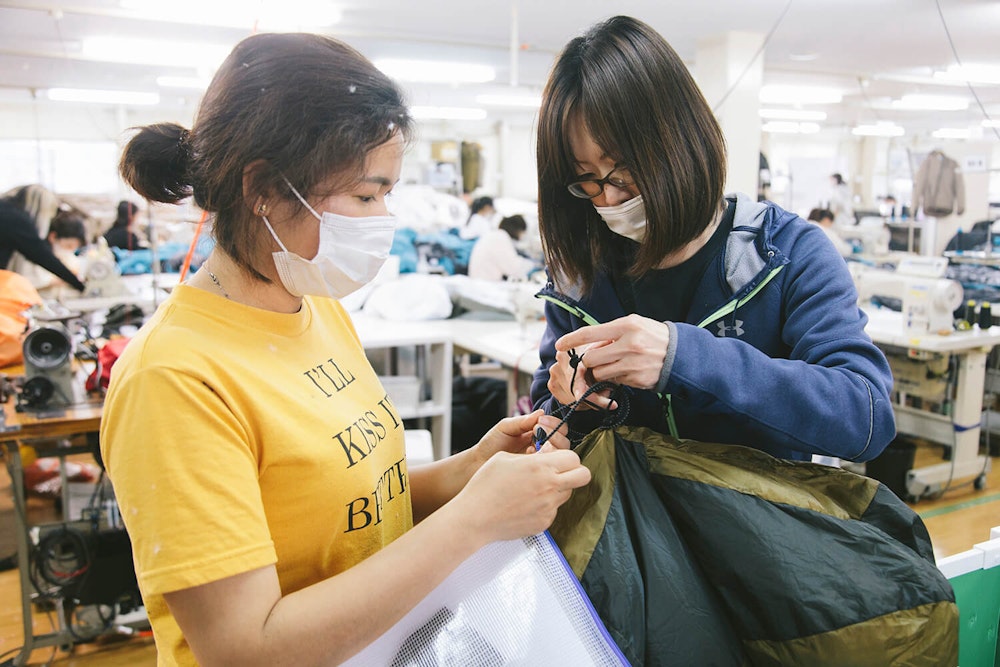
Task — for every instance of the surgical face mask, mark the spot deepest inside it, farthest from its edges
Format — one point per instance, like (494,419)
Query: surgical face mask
(627,219)
(351,252)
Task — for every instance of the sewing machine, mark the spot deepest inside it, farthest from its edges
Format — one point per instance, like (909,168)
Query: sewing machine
(929,300)
(871,232)
(101,275)
(50,379)
(919,339)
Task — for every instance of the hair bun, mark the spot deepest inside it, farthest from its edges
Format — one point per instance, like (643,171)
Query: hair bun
(156,163)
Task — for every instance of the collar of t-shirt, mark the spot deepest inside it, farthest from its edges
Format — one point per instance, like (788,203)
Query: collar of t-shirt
(668,294)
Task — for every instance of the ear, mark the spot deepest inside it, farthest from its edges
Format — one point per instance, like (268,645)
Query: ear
(256,191)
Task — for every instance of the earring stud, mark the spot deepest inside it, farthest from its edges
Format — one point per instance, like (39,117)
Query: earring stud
(262,209)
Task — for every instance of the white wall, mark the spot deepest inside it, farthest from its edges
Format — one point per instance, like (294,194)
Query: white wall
(69,148)
(801,166)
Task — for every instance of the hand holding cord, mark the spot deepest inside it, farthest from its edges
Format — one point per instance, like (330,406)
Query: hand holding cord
(612,417)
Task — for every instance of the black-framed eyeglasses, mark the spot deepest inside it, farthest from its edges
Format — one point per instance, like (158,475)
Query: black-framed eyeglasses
(588,188)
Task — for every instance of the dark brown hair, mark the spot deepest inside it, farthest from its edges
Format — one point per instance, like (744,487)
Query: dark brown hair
(639,103)
(820,214)
(126,212)
(514,225)
(308,106)
(69,225)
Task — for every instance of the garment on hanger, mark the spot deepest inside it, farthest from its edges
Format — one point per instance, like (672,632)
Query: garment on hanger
(939,187)
(472,159)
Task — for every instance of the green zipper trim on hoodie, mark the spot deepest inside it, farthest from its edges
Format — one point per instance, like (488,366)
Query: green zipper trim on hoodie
(574,310)
(730,307)
(736,303)
(668,408)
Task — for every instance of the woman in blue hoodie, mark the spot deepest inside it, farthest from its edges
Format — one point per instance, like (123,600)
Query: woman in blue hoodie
(726,319)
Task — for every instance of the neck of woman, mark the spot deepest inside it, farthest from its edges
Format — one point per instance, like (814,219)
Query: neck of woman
(224,277)
(688,251)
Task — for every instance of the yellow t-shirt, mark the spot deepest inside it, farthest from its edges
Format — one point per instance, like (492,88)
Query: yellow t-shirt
(237,438)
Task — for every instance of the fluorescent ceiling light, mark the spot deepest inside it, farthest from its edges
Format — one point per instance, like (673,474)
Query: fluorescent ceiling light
(799,95)
(991,123)
(931,103)
(952,133)
(970,73)
(141,51)
(259,14)
(101,96)
(790,127)
(792,114)
(883,129)
(803,57)
(510,100)
(448,113)
(427,71)
(197,82)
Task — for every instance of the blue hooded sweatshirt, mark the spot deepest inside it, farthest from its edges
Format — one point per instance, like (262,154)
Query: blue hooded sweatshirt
(781,362)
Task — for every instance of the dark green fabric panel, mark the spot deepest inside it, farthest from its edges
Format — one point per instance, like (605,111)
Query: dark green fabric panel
(798,572)
(647,587)
(898,521)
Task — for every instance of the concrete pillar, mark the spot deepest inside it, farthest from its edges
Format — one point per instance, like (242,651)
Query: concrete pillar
(872,150)
(720,61)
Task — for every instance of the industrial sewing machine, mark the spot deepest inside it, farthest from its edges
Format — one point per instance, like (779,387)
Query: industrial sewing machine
(929,300)
(102,277)
(938,373)
(871,232)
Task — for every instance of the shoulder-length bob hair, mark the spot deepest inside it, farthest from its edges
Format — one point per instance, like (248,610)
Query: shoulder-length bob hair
(640,104)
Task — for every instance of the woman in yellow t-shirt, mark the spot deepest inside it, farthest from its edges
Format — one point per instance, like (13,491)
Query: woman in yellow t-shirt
(257,460)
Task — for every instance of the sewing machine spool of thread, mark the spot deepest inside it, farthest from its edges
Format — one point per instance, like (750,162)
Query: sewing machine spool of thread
(985,315)
(970,311)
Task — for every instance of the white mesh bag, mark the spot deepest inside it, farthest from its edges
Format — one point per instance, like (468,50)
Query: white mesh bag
(511,603)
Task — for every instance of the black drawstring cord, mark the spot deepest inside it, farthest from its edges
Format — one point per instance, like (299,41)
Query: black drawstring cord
(574,361)
(612,418)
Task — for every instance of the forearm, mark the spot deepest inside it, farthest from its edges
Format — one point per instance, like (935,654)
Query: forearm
(434,484)
(38,251)
(846,403)
(328,622)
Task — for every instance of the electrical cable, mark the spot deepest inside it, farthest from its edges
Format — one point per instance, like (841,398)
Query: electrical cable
(88,633)
(953,373)
(42,591)
(972,482)
(5,656)
(954,51)
(63,557)
(64,44)
(756,55)
(949,485)
(868,100)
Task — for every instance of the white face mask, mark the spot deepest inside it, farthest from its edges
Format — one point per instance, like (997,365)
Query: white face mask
(351,252)
(627,219)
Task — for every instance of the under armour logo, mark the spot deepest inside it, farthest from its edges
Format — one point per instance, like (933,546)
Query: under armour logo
(724,330)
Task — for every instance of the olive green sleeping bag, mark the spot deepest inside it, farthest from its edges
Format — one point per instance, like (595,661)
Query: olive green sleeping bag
(704,554)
